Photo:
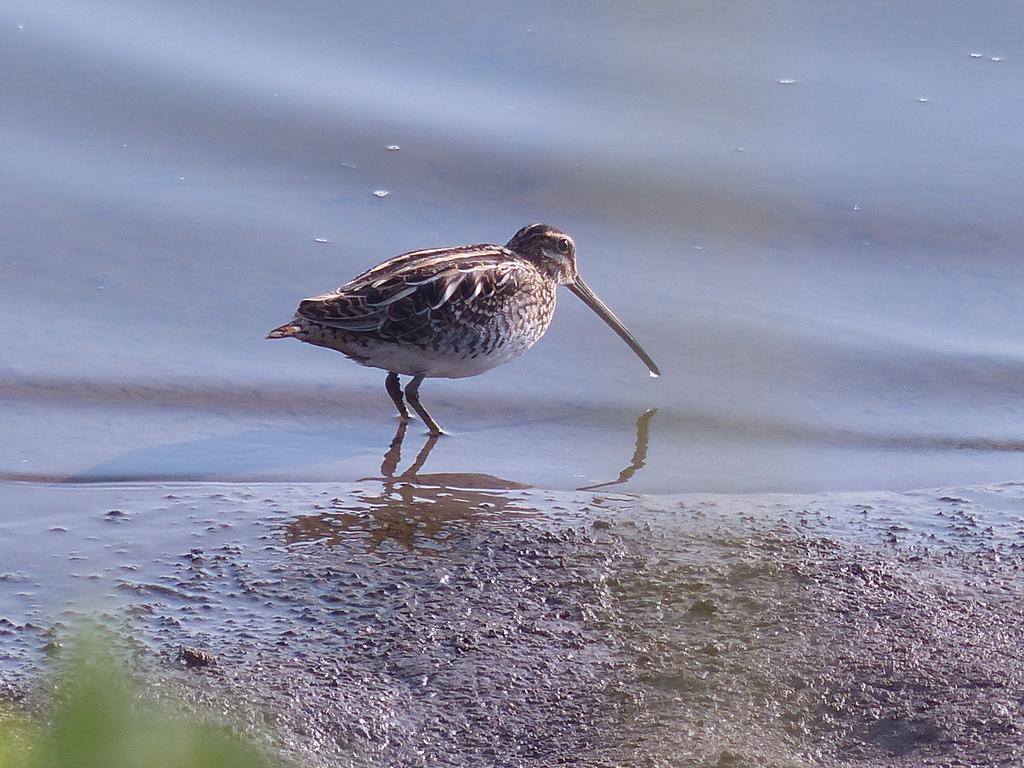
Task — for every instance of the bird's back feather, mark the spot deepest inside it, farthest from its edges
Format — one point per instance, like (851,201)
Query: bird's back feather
(408,297)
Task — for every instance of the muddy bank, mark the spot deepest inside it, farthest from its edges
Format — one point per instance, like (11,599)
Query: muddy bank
(446,621)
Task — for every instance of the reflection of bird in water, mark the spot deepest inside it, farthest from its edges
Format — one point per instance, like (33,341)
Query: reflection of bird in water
(643,427)
(450,312)
(417,511)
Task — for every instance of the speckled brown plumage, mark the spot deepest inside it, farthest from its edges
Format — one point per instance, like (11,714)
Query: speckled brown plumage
(449,312)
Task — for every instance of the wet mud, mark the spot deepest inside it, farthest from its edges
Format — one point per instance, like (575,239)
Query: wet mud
(417,619)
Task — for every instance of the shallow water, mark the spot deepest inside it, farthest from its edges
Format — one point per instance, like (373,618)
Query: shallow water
(833,307)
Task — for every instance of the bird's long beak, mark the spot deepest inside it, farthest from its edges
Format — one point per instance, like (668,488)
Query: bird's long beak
(590,298)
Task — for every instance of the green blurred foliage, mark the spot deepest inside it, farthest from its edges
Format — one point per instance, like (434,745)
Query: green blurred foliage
(102,718)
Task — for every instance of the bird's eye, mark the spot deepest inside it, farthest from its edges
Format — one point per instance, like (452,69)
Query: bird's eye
(563,245)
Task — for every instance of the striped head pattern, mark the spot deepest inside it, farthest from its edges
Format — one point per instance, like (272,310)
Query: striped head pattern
(551,250)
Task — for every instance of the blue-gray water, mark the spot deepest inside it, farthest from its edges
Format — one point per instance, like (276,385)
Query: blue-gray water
(827,270)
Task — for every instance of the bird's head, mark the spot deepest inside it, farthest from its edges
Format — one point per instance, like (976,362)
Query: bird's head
(552,251)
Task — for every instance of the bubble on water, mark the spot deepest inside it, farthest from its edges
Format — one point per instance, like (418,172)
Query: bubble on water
(392,147)
(923,99)
(739,149)
(975,55)
(380,193)
(181,178)
(787,81)
(321,240)
(20,26)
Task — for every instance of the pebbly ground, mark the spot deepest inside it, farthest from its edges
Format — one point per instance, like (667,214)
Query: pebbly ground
(454,621)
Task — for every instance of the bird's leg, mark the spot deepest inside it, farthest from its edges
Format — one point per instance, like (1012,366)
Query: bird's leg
(412,394)
(394,388)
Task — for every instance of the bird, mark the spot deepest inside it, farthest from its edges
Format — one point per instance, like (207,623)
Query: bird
(450,312)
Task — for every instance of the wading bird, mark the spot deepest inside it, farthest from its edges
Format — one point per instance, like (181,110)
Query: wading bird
(450,312)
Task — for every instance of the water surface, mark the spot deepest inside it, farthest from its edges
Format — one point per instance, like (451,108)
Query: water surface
(826,270)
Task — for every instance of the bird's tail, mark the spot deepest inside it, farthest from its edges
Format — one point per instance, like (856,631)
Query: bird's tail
(284,331)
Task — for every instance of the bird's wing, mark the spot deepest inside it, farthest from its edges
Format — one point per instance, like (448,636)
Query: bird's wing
(399,299)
